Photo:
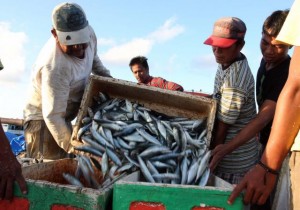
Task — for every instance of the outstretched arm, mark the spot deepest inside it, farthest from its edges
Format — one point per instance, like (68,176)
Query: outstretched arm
(264,116)
(10,169)
(257,182)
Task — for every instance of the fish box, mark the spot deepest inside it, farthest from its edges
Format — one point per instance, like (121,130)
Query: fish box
(171,103)
(130,195)
(48,190)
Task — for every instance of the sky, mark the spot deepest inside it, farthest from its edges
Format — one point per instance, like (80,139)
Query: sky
(170,33)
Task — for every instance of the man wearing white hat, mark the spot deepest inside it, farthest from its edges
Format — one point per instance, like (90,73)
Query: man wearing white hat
(60,75)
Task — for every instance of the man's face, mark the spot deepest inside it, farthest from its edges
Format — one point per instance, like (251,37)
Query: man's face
(76,50)
(225,56)
(140,73)
(272,51)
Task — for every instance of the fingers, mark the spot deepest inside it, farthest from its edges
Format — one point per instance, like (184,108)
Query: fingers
(213,163)
(216,157)
(9,189)
(256,196)
(22,184)
(2,188)
(248,195)
(236,192)
(270,184)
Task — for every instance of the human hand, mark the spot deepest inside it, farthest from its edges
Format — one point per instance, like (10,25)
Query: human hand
(258,185)
(10,171)
(217,155)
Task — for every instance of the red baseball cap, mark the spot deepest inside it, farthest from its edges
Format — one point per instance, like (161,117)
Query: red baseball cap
(226,32)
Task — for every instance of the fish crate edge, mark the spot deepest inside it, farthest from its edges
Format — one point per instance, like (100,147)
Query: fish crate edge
(172,103)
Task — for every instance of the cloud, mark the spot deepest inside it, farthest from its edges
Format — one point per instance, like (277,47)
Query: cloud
(172,61)
(167,31)
(205,61)
(106,42)
(121,54)
(12,54)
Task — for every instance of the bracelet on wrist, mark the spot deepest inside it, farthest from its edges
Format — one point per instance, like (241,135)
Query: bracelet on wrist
(268,169)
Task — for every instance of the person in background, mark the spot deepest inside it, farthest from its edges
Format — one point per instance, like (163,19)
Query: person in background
(60,75)
(234,93)
(140,69)
(271,77)
(259,182)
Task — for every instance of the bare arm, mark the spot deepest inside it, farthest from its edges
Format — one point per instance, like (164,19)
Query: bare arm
(257,182)
(264,116)
(287,118)
(220,133)
(10,169)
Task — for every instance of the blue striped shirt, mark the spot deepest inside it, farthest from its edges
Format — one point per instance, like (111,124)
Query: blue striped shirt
(234,92)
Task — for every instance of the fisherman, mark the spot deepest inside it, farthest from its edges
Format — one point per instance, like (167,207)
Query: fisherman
(271,77)
(60,75)
(234,93)
(140,69)
(259,182)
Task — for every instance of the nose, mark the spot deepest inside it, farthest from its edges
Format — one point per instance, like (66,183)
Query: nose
(269,49)
(77,46)
(218,49)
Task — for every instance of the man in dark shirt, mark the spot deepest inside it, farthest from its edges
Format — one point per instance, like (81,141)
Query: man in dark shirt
(140,69)
(268,87)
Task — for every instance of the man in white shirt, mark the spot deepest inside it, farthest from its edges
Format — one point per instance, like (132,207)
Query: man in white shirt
(60,75)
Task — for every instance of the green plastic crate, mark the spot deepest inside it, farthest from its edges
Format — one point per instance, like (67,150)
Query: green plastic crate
(174,197)
(47,190)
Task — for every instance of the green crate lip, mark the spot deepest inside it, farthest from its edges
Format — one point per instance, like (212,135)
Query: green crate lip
(159,185)
(43,194)
(181,197)
(69,187)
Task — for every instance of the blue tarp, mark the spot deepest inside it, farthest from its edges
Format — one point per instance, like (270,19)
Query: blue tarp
(17,143)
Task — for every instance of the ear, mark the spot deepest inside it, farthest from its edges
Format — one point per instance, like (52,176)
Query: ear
(53,32)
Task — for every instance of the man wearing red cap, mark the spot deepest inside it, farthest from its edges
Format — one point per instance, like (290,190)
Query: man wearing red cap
(271,77)
(234,92)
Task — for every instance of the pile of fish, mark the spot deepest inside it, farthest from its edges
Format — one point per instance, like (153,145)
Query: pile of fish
(120,137)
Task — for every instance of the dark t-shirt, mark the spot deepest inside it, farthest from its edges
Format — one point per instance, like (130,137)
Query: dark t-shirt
(268,87)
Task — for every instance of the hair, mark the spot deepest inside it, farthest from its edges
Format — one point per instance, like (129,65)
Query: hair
(139,60)
(274,22)
(240,41)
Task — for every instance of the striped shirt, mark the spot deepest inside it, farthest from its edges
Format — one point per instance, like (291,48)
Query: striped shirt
(234,92)
(164,84)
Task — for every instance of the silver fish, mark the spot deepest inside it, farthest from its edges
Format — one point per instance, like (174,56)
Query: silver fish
(72,180)
(145,170)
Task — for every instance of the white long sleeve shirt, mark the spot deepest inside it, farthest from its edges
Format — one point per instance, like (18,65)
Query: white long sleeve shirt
(58,83)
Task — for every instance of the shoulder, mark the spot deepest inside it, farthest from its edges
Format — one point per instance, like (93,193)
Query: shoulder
(156,79)
(93,35)
(241,68)
(48,54)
